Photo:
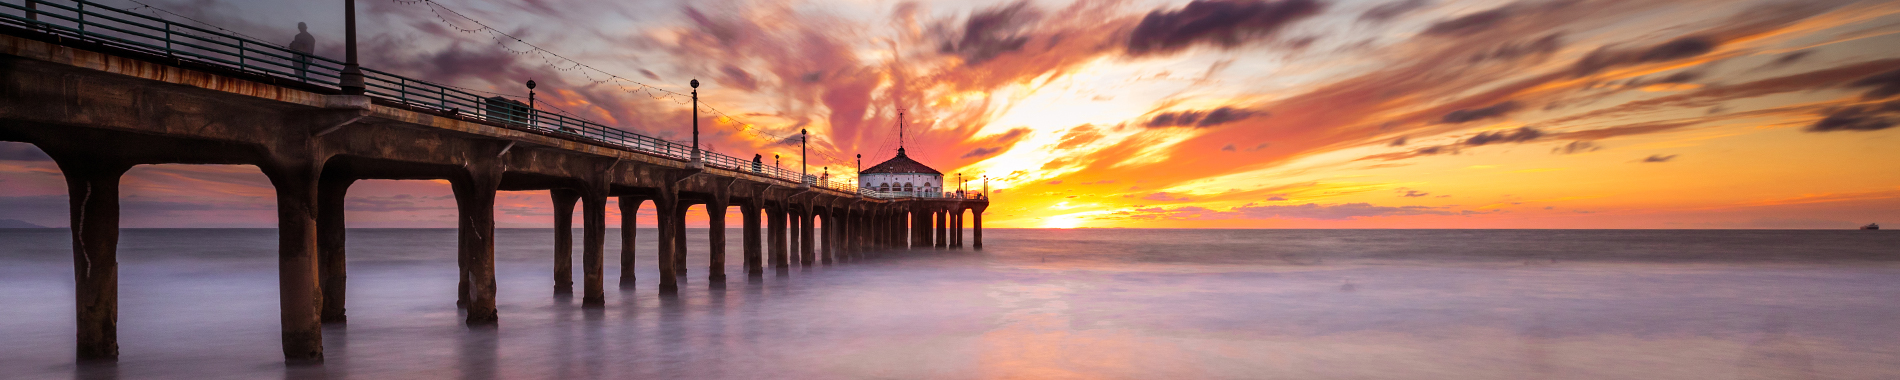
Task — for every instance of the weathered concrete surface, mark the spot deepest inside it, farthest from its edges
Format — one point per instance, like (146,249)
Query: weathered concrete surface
(629,234)
(92,188)
(332,271)
(564,200)
(594,248)
(750,239)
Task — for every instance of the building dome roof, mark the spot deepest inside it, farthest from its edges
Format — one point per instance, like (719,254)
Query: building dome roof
(901,164)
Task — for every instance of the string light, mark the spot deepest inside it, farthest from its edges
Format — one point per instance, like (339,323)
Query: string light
(156,10)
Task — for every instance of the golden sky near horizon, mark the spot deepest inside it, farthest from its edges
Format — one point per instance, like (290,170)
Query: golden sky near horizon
(1169,114)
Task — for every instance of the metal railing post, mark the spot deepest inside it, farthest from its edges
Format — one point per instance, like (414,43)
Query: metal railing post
(82,19)
(33,10)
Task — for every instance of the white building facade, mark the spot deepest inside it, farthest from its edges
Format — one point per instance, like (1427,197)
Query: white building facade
(902,176)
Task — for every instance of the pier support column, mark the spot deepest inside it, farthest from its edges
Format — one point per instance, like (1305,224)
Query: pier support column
(299,297)
(753,249)
(888,229)
(847,234)
(775,226)
(929,239)
(332,271)
(950,228)
(827,238)
(924,229)
(716,242)
(852,246)
(666,211)
(794,220)
(956,228)
(976,228)
(679,239)
(92,193)
(629,234)
(805,229)
(915,232)
(475,202)
(564,200)
(942,226)
(594,247)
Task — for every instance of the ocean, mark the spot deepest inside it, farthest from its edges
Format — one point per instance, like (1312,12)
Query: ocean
(1035,304)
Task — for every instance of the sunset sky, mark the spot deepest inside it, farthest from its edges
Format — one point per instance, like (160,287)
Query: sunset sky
(1161,114)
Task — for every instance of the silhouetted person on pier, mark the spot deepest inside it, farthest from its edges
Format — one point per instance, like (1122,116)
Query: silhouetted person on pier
(305,45)
(758,163)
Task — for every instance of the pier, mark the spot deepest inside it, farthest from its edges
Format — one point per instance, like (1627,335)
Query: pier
(102,90)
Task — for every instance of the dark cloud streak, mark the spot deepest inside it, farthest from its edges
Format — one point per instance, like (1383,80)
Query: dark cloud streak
(1475,114)
(1221,23)
(1862,118)
(1200,119)
(1521,134)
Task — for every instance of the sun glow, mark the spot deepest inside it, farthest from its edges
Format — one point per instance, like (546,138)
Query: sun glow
(1062,221)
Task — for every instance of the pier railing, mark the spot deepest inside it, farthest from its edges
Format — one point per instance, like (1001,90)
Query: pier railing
(869,192)
(125,29)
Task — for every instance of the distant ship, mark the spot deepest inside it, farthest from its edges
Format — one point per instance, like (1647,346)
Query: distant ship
(1870,227)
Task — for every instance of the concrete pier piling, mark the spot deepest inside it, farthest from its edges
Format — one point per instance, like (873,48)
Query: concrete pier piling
(956,229)
(775,231)
(299,297)
(629,234)
(475,203)
(976,229)
(666,211)
(679,240)
(716,242)
(92,190)
(794,228)
(332,271)
(751,246)
(805,243)
(593,248)
(943,239)
(564,201)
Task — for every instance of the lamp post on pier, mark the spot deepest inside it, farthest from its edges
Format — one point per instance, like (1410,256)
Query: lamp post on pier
(695,84)
(351,79)
(804,167)
(531,120)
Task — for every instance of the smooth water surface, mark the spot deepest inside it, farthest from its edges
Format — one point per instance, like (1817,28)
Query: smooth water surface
(1036,304)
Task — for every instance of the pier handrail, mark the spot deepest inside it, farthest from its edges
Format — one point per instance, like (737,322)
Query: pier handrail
(124,29)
